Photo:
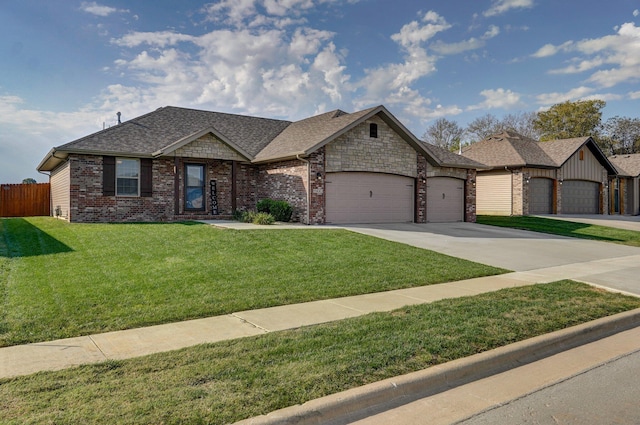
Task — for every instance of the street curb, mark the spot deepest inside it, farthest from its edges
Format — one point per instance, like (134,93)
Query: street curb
(358,403)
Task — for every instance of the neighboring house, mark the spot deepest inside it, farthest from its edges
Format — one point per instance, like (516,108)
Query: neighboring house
(569,176)
(625,193)
(180,164)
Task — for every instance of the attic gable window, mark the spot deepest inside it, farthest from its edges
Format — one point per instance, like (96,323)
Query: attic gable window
(127,177)
(373,130)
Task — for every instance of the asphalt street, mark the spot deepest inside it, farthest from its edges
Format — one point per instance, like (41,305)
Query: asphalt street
(608,394)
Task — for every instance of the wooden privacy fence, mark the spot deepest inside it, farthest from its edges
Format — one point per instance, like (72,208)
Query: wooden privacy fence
(25,200)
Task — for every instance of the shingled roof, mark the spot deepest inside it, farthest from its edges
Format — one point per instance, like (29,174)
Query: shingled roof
(509,149)
(259,140)
(162,130)
(627,165)
(513,150)
(446,158)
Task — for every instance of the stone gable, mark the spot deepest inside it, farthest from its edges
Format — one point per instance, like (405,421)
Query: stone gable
(356,151)
(209,147)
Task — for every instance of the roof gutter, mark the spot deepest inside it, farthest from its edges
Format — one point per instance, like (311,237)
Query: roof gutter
(298,157)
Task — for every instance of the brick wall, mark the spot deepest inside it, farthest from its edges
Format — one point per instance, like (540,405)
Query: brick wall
(519,197)
(286,181)
(421,191)
(317,192)
(88,205)
(470,197)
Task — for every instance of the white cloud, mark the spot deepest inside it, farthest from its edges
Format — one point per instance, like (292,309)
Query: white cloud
(498,98)
(499,7)
(636,12)
(385,82)
(159,39)
(100,10)
(557,97)
(620,52)
(634,95)
(463,46)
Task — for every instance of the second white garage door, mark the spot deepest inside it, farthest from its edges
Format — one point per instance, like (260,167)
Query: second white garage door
(369,198)
(445,200)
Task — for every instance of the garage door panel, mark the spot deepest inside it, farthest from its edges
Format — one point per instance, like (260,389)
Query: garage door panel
(493,194)
(540,196)
(369,198)
(580,197)
(445,200)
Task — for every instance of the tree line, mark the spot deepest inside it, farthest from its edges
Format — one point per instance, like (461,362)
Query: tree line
(616,136)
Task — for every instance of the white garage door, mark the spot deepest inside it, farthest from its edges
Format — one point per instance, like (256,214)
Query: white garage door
(445,200)
(369,198)
(580,197)
(493,194)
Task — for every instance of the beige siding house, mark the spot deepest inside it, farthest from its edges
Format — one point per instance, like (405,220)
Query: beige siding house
(525,177)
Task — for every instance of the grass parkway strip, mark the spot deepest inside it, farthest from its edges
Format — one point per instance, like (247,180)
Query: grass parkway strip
(60,280)
(233,380)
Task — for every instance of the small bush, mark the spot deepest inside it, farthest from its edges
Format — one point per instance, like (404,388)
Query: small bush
(238,215)
(280,210)
(263,218)
(264,205)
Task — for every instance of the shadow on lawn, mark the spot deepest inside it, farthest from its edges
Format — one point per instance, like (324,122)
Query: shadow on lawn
(19,238)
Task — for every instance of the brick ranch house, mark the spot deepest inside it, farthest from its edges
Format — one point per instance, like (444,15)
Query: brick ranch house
(568,176)
(181,164)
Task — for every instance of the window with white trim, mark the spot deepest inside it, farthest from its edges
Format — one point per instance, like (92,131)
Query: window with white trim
(127,177)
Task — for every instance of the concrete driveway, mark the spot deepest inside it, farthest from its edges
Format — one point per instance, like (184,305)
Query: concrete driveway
(551,257)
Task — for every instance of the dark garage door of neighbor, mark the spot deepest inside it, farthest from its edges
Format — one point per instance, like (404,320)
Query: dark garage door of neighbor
(580,197)
(540,196)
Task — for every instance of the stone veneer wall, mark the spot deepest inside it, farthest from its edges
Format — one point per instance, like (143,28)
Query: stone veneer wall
(208,147)
(88,205)
(356,151)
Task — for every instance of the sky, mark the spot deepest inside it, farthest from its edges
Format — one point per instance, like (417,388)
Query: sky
(67,67)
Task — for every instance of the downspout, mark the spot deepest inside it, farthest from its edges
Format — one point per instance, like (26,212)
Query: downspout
(308,187)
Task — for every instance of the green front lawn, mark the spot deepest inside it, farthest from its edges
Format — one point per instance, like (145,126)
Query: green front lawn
(61,280)
(232,380)
(564,228)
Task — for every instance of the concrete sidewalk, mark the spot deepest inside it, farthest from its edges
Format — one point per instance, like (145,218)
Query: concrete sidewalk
(64,353)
